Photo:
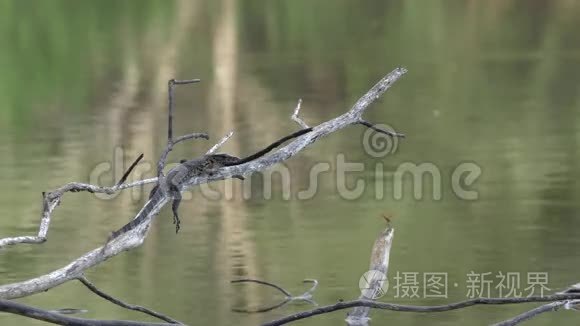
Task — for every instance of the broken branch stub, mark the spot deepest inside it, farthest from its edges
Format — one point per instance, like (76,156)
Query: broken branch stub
(373,281)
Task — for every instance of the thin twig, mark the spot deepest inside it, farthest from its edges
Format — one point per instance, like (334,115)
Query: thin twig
(407,308)
(313,287)
(118,302)
(306,296)
(61,319)
(250,280)
(170,85)
(553,306)
(215,147)
(381,130)
(190,136)
(295,116)
(170,141)
(169,148)
(124,177)
(185,81)
(267,308)
(52,199)
(137,183)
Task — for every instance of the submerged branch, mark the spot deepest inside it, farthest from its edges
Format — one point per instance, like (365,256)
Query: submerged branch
(120,303)
(61,319)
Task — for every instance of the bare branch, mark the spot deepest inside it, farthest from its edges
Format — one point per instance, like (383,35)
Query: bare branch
(220,143)
(307,296)
(353,116)
(137,183)
(288,297)
(380,130)
(251,280)
(169,148)
(170,141)
(190,136)
(553,306)
(409,308)
(75,269)
(118,302)
(376,276)
(185,81)
(61,319)
(126,174)
(295,116)
(314,285)
(135,237)
(52,199)
(170,84)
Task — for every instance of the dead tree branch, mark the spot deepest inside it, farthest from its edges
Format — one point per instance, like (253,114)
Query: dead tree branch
(170,141)
(380,263)
(220,143)
(118,302)
(136,236)
(375,277)
(295,116)
(60,319)
(288,297)
(380,130)
(52,199)
(410,308)
(352,117)
(553,306)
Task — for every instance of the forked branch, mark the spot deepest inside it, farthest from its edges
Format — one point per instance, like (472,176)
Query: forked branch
(288,297)
(52,199)
(136,236)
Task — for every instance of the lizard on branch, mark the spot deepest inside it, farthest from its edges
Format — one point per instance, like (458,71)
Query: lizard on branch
(177,176)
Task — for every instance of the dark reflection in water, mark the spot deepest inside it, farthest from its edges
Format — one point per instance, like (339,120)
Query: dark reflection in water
(494,84)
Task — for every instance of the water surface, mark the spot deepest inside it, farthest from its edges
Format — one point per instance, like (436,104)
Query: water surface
(83,91)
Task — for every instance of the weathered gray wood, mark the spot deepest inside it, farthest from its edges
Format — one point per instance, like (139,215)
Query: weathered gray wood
(135,237)
(380,253)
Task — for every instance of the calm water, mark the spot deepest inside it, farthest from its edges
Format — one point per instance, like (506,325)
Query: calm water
(490,83)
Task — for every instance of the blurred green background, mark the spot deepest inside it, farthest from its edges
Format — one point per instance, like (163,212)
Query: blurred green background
(496,83)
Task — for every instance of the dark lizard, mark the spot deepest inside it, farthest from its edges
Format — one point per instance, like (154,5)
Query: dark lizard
(188,169)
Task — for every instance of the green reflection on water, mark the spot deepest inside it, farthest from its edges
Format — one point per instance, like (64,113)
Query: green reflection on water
(494,83)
